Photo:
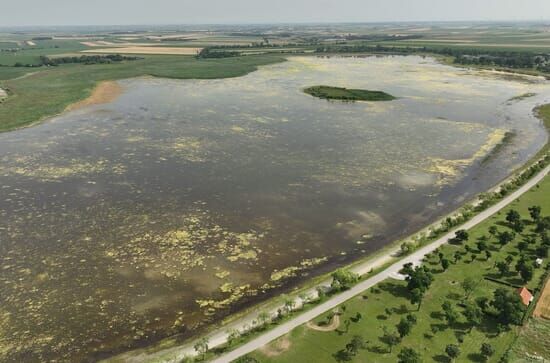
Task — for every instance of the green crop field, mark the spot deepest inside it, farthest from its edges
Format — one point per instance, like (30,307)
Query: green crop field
(382,307)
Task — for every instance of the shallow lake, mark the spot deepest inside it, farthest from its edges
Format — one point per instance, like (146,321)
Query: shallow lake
(186,200)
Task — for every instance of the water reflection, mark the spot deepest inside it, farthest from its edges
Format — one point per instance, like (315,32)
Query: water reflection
(182,200)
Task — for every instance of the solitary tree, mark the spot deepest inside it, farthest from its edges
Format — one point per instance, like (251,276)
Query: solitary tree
(468,285)
(522,246)
(451,316)
(232,335)
(420,278)
(201,346)
(543,224)
(453,351)
(461,235)
(493,230)
(534,212)
(473,315)
(508,306)
(445,264)
(526,273)
(356,343)
(487,350)
(263,318)
(404,327)
(513,216)
(457,256)
(505,237)
(391,340)
(481,245)
(411,318)
(503,268)
(416,297)
(409,355)
(343,279)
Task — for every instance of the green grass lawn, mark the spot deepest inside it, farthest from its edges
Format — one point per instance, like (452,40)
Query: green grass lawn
(384,305)
(51,89)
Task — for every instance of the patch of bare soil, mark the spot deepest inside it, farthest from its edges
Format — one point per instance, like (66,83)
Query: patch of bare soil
(334,324)
(277,347)
(105,92)
(542,309)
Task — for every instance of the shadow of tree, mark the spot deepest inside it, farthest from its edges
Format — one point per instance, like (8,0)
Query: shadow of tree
(377,349)
(395,290)
(476,357)
(441,358)
(342,356)
(438,327)
(402,309)
(438,315)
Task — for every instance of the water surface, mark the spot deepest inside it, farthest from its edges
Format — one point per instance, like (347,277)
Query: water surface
(185,200)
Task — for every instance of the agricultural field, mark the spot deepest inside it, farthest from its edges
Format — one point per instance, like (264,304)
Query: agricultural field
(374,315)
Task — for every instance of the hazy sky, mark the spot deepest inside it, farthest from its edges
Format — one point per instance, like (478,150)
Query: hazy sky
(115,12)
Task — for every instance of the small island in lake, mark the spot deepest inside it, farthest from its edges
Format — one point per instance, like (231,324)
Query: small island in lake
(346,94)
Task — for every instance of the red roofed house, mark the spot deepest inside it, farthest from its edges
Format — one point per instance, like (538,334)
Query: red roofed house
(525,295)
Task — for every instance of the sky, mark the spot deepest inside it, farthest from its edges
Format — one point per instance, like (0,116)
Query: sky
(142,12)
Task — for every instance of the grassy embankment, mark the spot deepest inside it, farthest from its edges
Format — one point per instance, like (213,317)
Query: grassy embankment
(382,307)
(50,90)
(347,94)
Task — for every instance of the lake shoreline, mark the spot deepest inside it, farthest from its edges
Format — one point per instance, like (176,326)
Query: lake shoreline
(104,92)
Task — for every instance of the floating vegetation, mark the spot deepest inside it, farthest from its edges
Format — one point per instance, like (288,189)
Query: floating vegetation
(521,97)
(163,211)
(31,167)
(291,271)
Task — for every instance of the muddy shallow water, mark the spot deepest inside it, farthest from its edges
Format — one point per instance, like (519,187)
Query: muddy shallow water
(185,200)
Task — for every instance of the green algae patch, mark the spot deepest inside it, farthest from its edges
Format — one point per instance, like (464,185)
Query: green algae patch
(347,94)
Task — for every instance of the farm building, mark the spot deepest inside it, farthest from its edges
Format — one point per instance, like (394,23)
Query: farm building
(525,295)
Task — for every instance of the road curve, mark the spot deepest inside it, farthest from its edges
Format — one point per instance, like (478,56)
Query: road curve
(336,300)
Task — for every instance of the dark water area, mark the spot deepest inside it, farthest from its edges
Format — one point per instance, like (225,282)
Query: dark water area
(185,200)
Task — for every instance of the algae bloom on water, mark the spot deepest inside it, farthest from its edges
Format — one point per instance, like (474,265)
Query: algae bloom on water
(347,94)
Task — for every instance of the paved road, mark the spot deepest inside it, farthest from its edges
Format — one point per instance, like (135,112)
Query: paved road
(415,257)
